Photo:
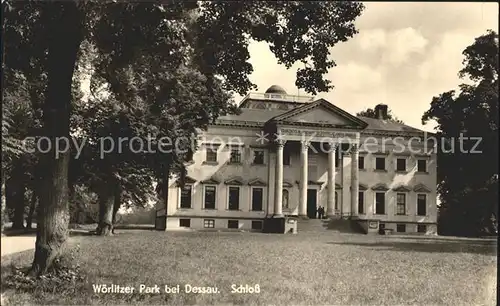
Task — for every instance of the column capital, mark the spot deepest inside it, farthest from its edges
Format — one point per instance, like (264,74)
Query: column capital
(304,145)
(333,145)
(280,143)
(354,148)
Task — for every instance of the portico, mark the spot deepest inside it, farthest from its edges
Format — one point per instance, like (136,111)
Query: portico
(322,141)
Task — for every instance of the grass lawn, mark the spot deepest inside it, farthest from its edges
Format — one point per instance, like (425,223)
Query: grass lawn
(307,268)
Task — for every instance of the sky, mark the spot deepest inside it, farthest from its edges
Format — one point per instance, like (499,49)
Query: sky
(404,54)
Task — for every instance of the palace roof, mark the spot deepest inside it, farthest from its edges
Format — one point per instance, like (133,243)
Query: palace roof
(257,111)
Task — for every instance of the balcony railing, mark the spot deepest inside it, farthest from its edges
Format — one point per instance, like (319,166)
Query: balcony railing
(278,97)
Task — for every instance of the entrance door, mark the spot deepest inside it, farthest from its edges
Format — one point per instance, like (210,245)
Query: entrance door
(311,203)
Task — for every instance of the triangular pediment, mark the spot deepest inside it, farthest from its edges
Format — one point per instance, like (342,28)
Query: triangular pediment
(211,181)
(402,189)
(421,188)
(187,180)
(234,181)
(380,187)
(320,112)
(257,182)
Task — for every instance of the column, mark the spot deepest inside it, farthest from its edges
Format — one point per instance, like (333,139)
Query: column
(303,179)
(278,179)
(270,178)
(354,180)
(330,205)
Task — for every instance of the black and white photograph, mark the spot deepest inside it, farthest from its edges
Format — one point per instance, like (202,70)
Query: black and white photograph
(249,152)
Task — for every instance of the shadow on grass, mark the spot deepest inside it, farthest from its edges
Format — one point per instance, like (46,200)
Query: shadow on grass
(121,228)
(76,230)
(81,233)
(453,239)
(135,226)
(8,232)
(484,248)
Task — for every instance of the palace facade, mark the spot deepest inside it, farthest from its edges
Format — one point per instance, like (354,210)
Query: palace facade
(286,155)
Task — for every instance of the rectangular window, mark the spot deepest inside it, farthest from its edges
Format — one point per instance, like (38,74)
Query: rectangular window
(186,196)
(380,203)
(401,164)
(401,204)
(258,157)
(361,202)
(421,228)
(210,197)
(421,205)
(400,228)
(421,165)
(211,155)
(380,163)
(286,157)
(234,198)
(257,198)
(208,223)
(336,200)
(232,224)
(185,222)
(256,225)
(361,162)
(235,156)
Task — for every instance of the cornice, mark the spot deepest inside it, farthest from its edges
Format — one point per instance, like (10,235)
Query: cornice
(319,125)
(365,132)
(238,123)
(393,133)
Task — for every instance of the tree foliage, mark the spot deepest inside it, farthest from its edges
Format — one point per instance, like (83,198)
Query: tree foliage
(468,163)
(169,66)
(20,120)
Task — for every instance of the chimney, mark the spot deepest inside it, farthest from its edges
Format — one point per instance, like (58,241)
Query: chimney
(381,111)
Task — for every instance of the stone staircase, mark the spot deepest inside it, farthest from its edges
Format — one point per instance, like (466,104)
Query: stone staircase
(310,225)
(334,225)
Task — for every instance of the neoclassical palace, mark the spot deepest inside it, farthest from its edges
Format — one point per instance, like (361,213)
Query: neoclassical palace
(287,155)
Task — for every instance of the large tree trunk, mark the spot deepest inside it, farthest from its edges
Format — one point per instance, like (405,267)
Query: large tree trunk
(3,211)
(106,204)
(29,219)
(16,186)
(64,37)
(18,220)
(116,206)
(165,190)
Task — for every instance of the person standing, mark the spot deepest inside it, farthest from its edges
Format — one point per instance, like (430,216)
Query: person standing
(320,212)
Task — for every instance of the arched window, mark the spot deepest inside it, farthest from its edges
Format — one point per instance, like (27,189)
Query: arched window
(285,198)
(336,200)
